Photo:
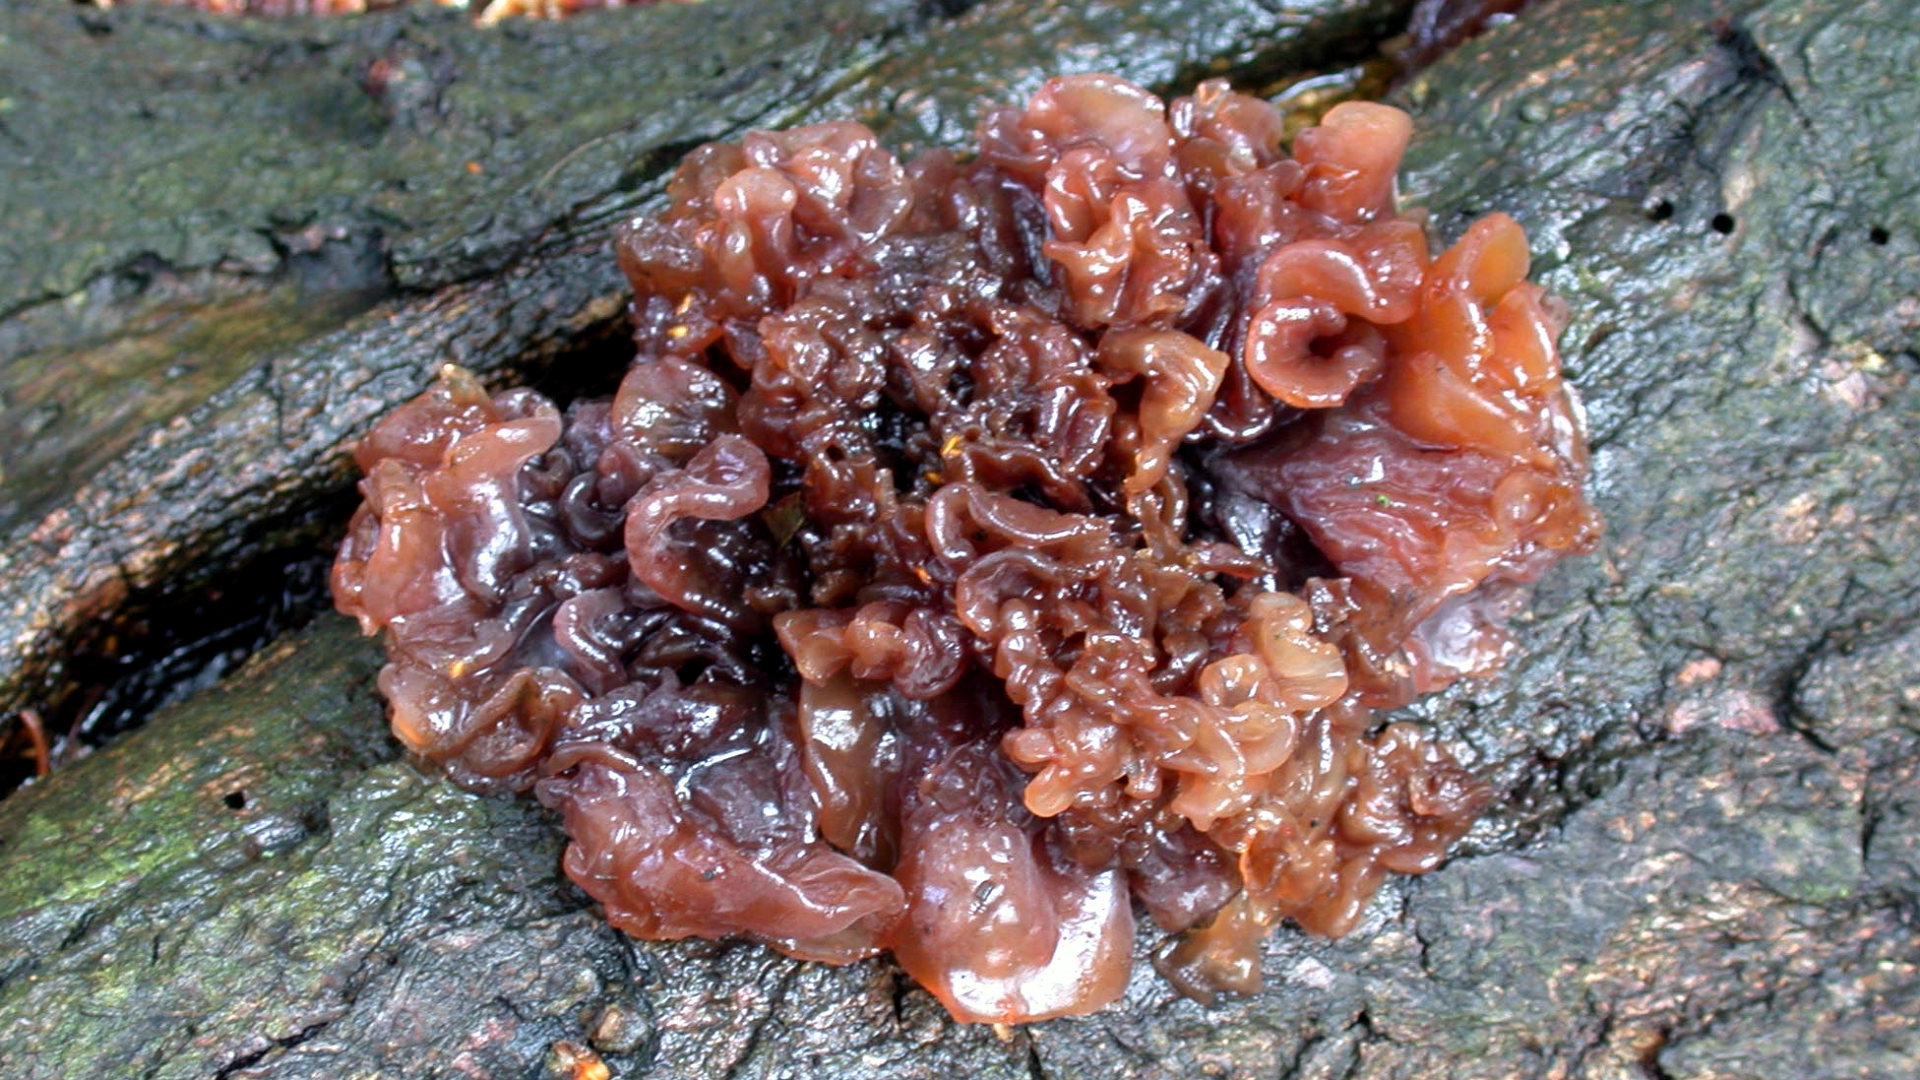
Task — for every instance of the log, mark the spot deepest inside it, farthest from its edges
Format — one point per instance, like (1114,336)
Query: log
(1704,860)
(232,245)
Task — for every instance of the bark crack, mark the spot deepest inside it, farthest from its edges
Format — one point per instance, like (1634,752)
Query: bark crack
(274,1045)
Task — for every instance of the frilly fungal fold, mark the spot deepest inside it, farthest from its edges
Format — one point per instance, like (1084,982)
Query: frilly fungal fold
(978,547)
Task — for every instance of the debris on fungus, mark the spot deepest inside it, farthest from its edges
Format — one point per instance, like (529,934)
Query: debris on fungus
(977,547)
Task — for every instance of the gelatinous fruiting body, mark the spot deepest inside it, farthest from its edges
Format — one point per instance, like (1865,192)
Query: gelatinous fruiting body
(976,549)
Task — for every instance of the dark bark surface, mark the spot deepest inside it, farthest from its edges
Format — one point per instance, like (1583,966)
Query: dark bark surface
(1705,861)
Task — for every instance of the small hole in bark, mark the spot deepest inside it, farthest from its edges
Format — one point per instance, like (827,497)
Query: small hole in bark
(235,800)
(1660,211)
(1878,236)
(1723,224)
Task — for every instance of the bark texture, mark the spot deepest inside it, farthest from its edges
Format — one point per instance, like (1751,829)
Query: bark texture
(1705,861)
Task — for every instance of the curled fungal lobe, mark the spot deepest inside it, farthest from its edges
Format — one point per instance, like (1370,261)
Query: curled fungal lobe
(976,549)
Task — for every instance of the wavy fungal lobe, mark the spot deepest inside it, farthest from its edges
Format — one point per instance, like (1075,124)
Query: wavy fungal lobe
(977,548)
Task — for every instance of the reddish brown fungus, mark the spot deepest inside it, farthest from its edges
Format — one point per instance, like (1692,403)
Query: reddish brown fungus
(974,548)
(1438,26)
(37,751)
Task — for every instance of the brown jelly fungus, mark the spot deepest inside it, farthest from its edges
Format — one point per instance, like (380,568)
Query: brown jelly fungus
(979,547)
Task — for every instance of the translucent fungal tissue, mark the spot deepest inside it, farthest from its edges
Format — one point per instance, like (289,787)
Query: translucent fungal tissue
(979,551)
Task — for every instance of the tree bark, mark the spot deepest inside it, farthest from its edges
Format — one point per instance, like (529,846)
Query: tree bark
(1704,861)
